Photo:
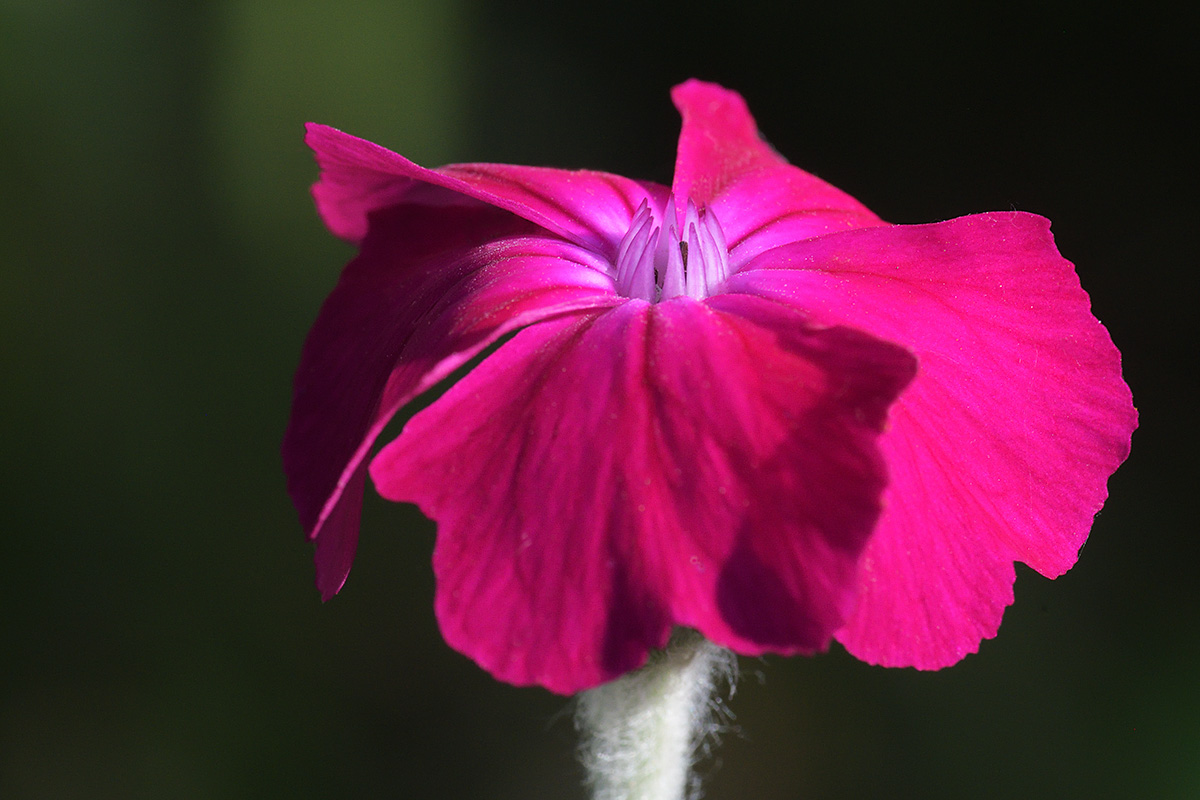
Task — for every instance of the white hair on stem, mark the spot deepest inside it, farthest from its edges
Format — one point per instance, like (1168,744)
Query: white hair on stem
(642,733)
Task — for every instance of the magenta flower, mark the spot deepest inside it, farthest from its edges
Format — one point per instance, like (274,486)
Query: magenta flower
(742,403)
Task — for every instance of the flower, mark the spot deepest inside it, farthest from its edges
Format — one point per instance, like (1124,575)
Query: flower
(742,403)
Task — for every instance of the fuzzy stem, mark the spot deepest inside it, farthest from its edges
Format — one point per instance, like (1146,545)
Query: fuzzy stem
(641,732)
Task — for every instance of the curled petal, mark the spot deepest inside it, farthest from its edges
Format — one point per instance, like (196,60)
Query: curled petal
(1000,449)
(603,477)
(769,209)
(761,199)
(592,209)
(430,289)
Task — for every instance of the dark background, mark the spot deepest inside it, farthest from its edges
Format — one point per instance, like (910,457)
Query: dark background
(160,263)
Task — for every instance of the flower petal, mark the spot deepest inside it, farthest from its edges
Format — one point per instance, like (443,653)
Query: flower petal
(592,209)
(1001,447)
(603,477)
(430,289)
(761,199)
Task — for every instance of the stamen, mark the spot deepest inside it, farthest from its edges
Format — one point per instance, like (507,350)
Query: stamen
(635,261)
(655,262)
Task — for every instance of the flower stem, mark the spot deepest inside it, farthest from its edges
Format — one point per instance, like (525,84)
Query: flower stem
(642,731)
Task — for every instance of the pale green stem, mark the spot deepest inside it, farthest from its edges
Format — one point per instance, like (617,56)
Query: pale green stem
(642,731)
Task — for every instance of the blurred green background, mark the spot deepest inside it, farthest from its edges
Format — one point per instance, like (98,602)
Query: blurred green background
(160,263)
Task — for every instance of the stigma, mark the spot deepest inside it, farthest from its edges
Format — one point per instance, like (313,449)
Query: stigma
(661,259)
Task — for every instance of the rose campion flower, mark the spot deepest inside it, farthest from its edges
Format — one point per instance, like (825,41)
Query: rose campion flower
(742,403)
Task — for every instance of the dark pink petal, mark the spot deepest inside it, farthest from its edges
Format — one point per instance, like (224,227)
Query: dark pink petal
(769,209)
(604,476)
(430,289)
(592,209)
(1000,449)
(761,199)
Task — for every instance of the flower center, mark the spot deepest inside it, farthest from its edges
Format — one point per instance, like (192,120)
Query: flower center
(658,261)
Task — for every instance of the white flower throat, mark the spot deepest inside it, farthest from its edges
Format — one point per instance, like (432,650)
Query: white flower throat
(689,259)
